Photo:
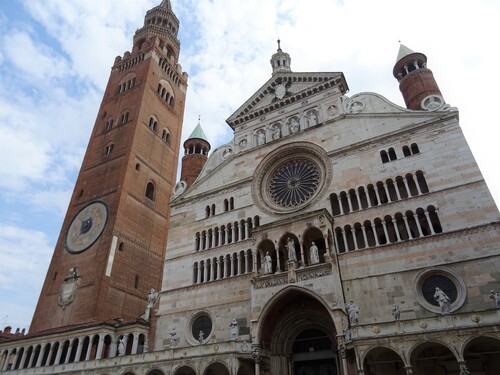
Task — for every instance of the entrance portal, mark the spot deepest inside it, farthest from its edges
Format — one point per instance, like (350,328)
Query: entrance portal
(299,336)
(313,355)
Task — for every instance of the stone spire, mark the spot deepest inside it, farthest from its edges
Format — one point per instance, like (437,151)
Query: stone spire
(162,23)
(416,82)
(281,61)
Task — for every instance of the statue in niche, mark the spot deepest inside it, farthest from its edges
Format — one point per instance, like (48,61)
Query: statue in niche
(347,335)
(352,312)
(396,313)
(290,245)
(495,296)
(173,338)
(121,346)
(261,138)
(294,125)
(268,264)
(235,329)
(443,300)
(276,132)
(313,254)
(313,118)
(201,337)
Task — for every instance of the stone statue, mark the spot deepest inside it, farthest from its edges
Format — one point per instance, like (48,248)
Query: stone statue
(443,300)
(313,254)
(294,125)
(261,138)
(290,245)
(495,296)
(173,338)
(396,313)
(347,335)
(152,298)
(121,346)
(268,264)
(352,311)
(235,329)
(276,132)
(201,337)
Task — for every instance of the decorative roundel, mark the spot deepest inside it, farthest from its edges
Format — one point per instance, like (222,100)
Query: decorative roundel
(291,178)
(444,280)
(294,182)
(86,227)
(179,188)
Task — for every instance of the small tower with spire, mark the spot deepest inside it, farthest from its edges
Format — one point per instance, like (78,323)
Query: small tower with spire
(416,82)
(281,61)
(196,149)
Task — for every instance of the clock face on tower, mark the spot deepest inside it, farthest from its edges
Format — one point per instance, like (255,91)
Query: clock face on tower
(86,227)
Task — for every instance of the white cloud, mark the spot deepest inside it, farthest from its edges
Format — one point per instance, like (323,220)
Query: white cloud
(24,256)
(53,72)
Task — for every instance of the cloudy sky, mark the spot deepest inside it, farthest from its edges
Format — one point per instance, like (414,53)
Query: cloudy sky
(55,59)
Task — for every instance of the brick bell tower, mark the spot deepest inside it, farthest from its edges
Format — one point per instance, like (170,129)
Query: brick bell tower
(196,149)
(416,82)
(112,243)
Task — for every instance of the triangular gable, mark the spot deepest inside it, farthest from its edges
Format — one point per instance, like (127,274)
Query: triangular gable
(285,88)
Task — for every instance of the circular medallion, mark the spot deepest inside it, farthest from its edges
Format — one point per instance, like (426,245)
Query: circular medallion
(86,227)
(294,182)
(432,102)
(291,178)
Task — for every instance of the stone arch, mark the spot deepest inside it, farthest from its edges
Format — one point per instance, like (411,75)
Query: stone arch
(482,355)
(434,357)
(262,248)
(155,371)
(216,368)
(297,328)
(282,248)
(184,370)
(383,360)
(314,234)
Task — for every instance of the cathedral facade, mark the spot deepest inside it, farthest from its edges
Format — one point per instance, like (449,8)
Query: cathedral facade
(333,234)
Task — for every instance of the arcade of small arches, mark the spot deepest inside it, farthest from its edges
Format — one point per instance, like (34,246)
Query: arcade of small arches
(283,128)
(280,253)
(166,93)
(391,229)
(153,125)
(196,148)
(222,267)
(379,193)
(170,72)
(228,205)
(215,367)
(390,154)
(478,355)
(225,234)
(163,22)
(127,85)
(131,62)
(78,349)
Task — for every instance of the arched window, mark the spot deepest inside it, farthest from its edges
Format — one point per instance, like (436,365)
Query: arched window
(213,209)
(406,151)
(165,136)
(384,157)
(226,205)
(421,182)
(207,211)
(153,123)
(231,203)
(108,149)
(414,149)
(392,154)
(150,191)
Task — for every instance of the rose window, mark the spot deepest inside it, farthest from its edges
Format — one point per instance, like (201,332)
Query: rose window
(294,183)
